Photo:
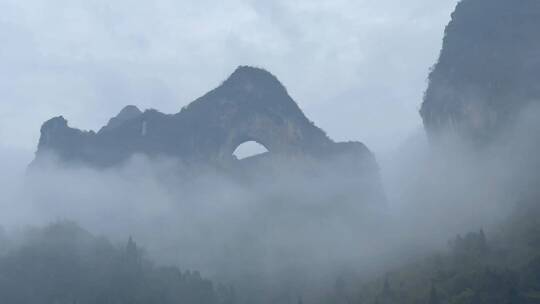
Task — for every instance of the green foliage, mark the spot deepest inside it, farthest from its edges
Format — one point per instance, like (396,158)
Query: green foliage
(65,264)
(474,270)
(433,296)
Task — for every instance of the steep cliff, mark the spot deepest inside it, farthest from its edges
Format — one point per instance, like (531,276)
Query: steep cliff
(488,70)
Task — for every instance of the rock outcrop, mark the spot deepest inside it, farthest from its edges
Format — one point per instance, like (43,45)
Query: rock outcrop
(251,105)
(488,70)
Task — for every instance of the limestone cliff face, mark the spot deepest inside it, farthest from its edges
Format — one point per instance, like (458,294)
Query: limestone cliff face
(488,70)
(251,105)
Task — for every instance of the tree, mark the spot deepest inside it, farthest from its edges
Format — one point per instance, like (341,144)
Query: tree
(132,252)
(482,242)
(433,296)
(386,287)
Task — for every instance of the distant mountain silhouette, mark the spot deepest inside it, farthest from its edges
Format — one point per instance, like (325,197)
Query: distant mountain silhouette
(251,105)
(488,70)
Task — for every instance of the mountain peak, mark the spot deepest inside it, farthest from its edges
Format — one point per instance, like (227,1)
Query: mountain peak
(127,113)
(246,70)
(129,110)
(251,105)
(487,72)
(249,77)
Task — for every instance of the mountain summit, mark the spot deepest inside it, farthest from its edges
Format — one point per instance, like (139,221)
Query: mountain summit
(251,105)
(488,70)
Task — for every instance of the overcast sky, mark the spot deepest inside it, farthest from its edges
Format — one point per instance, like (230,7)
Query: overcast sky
(358,68)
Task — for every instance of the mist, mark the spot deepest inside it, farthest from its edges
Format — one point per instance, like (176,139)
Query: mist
(288,231)
(440,212)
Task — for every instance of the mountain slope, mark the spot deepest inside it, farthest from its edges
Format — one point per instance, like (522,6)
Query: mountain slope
(488,70)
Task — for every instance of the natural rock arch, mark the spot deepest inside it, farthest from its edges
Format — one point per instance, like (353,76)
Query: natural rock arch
(251,105)
(249,149)
(278,137)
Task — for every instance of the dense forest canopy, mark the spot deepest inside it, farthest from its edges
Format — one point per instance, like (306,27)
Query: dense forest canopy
(62,263)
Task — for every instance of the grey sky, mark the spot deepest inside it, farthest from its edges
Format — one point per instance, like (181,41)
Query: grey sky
(358,68)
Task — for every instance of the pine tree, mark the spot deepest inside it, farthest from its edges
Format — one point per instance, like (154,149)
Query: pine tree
(132,254)
(386,287)
(433,296)
(482,242)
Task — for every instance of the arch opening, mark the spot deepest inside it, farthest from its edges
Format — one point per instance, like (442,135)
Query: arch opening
(249,149)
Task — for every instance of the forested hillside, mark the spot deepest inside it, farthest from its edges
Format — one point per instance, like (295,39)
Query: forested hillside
(499,267)
(64,264)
